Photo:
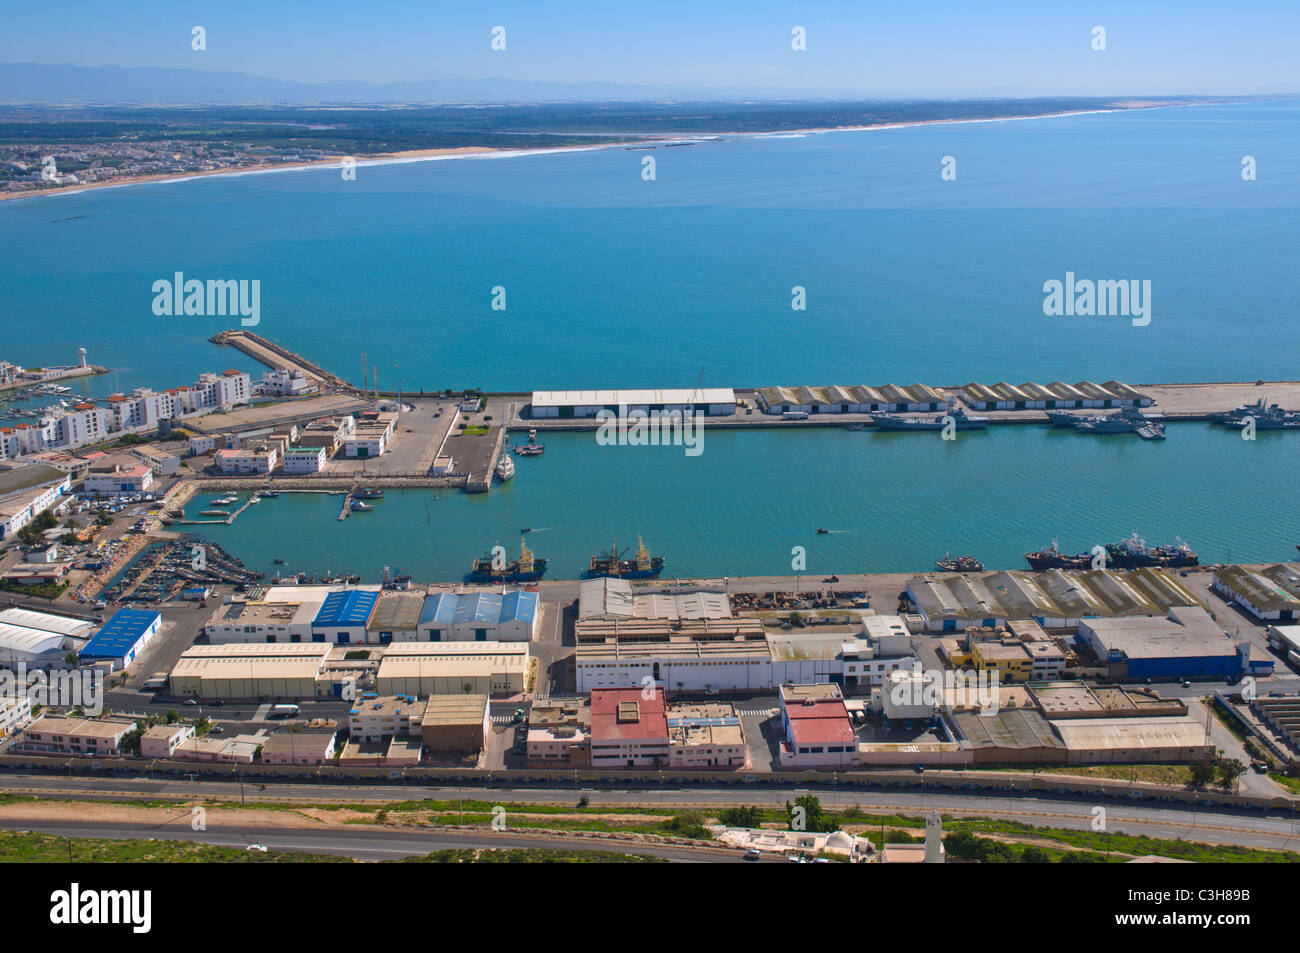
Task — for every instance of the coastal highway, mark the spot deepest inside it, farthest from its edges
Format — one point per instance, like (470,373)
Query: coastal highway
(1275,830)
(373,843)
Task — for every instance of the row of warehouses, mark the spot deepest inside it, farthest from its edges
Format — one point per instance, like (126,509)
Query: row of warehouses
(371,615)
(316,670)
(893,398)
(47,640)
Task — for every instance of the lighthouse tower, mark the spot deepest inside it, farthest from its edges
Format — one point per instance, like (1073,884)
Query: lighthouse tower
(81,353)
(934,839)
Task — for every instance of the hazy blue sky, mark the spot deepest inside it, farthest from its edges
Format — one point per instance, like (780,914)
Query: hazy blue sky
(939,47)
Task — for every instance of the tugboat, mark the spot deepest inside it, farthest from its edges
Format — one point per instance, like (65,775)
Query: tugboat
(532,448)
(960,419)
(1051,557)
(523,569)
(948,563)
(1134,553)
(642,566)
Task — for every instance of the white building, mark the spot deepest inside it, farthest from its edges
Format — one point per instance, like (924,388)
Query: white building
(117,479)
(713,401)
(303,460)
(26,493)
(283,382)
(161,741)
(14,714)
(256,462)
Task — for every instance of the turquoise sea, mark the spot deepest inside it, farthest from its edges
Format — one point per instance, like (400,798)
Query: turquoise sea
(615,281)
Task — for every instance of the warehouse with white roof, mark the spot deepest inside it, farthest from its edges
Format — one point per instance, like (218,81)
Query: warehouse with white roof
(713,401)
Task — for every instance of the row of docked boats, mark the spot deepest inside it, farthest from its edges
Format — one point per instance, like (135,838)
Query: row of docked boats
(494,567)
(1130,553)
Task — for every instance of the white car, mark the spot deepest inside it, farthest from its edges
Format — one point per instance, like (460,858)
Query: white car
(260,848)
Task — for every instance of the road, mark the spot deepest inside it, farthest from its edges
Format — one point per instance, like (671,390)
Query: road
(377,843)
(1207,825)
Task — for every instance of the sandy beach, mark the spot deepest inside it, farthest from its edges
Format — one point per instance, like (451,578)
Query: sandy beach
(648,139)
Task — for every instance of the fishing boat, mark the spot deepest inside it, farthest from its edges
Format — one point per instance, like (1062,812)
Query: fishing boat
(224,500)
(1134,553)
(505,469)
(268,493)
(949,563)
(822,532)
(524,569)
(1051,557)
(368,493)
(957,418)
(357,506)
(641,566)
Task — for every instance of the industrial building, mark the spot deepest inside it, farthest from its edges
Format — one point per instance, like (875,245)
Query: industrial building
(818,730)
(562,404)
(606,598)
(481,616)
(1130,740)
(343,617)
(1270,594)
(122,638)
(456,723)
(396,618)
(1055,396)
(1185,643)
(706,736)
(240,621)
(629,728)
(27,491)
(253,672)
(1054,599)
(39,638)
(311,746)
(859,399)
(453,668)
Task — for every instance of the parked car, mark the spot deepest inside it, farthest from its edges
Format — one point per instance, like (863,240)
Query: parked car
(259,848)
(753,854)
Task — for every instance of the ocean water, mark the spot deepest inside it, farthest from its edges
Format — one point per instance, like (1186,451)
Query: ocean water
(614,281)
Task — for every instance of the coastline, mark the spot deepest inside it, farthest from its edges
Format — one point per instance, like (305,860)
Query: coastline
(646,139)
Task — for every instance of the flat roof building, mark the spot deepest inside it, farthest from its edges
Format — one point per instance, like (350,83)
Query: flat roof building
(252,671)
(123,637)
(456,723)
(453,668)
(1186,643)
(629,728)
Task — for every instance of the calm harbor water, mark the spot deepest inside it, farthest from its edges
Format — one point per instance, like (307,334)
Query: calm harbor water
(893,502)
(613,281)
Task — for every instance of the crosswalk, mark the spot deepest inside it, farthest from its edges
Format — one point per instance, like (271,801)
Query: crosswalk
(503,719)
(756,712)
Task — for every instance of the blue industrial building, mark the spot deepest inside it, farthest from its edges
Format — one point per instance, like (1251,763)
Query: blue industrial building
(479,617)
(122,637)
(1186,643)
(343,617)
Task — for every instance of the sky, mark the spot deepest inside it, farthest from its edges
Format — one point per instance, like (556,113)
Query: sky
(940,48)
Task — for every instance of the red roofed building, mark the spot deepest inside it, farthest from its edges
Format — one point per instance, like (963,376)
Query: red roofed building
(629,728)
(818,730)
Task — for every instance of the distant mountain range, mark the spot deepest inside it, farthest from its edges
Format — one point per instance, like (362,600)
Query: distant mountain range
(64,83)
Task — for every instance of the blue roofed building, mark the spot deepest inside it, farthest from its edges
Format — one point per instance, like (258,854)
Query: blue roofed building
(479,617)
(343,617)
(122,638)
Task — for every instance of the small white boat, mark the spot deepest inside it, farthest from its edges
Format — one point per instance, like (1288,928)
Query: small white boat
(505,469)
